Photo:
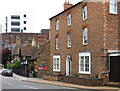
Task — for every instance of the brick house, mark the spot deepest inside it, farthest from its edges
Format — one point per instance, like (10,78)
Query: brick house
(85,40)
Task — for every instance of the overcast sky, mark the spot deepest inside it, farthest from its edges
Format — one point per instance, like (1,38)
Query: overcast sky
(42,9)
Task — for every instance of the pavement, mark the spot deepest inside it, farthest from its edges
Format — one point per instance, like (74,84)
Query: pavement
(58,83)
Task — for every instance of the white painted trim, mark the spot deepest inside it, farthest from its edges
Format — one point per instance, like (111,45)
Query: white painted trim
(57,56)
(118,54)
(69,65)
(113,51)
(85,54)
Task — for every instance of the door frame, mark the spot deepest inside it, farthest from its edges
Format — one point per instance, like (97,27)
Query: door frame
(68,62)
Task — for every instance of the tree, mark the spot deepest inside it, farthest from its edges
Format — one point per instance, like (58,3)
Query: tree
(6,56)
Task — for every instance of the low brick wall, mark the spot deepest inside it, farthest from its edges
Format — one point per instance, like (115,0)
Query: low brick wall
(84,81)
(52,77)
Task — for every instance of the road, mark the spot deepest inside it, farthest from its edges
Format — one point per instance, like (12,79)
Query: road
(12,83)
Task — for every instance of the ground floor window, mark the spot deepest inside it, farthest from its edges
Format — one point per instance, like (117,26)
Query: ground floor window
(56,63)
(85,62)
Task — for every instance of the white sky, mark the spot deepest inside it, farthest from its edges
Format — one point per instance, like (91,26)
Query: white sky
(42,9)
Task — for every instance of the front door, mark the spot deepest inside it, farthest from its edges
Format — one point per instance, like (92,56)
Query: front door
(68,65)
(114,69)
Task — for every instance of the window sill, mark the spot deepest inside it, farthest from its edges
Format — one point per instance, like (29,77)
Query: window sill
(85,44)
(113,13)
(87,73)
(69,25)
(68,47)
(85,19)
(56,70)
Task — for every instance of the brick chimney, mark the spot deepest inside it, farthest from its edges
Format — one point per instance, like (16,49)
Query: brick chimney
(67,5)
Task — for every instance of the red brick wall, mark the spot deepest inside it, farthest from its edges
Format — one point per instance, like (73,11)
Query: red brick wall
(96,24)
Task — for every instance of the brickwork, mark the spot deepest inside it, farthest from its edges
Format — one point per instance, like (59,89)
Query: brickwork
(102,36)
(44,55)
(84,81)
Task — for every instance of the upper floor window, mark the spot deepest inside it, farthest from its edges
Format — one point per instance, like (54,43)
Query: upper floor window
(25,15)
(24,22)
(57,24)
(113,6)
(15,29)
(15,23)
(15,17)
(84,12)
(69,19)
(57,42)
(85,36)
(69,40)
(24,28)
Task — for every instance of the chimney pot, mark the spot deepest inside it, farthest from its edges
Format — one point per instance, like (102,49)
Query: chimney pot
(67,5)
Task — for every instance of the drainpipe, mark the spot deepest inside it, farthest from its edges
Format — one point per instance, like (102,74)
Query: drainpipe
(104,72)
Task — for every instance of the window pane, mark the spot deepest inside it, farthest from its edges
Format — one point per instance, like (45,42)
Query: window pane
(57,24)
(86,63)
(82,64)
(54,63)
(69,39)
(69,19)
(84,12)
(57,43)
(57,64)
(113,6)
(85,36)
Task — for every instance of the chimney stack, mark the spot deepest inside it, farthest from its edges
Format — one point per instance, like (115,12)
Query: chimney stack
(67,5)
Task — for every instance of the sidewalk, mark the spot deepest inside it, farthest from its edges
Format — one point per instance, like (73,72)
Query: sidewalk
(39,80)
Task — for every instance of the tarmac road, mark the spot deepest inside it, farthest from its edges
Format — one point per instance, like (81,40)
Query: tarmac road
(13,84)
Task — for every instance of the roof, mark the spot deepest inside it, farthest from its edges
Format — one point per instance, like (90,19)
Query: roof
(66,10)
(16,50)
(27,50)
(37,52)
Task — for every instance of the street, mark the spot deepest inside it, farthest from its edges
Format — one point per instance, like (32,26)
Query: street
(11,83)
(14,84)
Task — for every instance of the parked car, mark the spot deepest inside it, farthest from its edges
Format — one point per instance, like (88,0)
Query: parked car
(7,72)
(2,70)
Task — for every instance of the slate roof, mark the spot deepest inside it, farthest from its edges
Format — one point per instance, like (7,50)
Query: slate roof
(27,50)
(37,52)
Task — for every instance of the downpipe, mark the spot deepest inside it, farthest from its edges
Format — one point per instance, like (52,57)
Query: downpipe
(104,72)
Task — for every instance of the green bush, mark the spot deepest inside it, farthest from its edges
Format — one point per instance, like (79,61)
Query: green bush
(75,75)
(13,65)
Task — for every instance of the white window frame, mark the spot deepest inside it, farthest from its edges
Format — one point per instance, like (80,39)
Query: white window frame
(113,6)
(55,61)
(84,12)
(69,19)
(57,24)
(69,40)
(85,36)
(57,43)
(84,54)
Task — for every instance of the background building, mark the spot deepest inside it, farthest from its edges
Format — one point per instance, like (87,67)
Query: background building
(19,22)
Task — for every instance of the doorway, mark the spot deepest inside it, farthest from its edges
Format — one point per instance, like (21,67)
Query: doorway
(114,75)
(68,65)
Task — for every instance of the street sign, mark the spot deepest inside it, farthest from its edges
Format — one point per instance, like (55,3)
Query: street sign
(42,68)
(45,68)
